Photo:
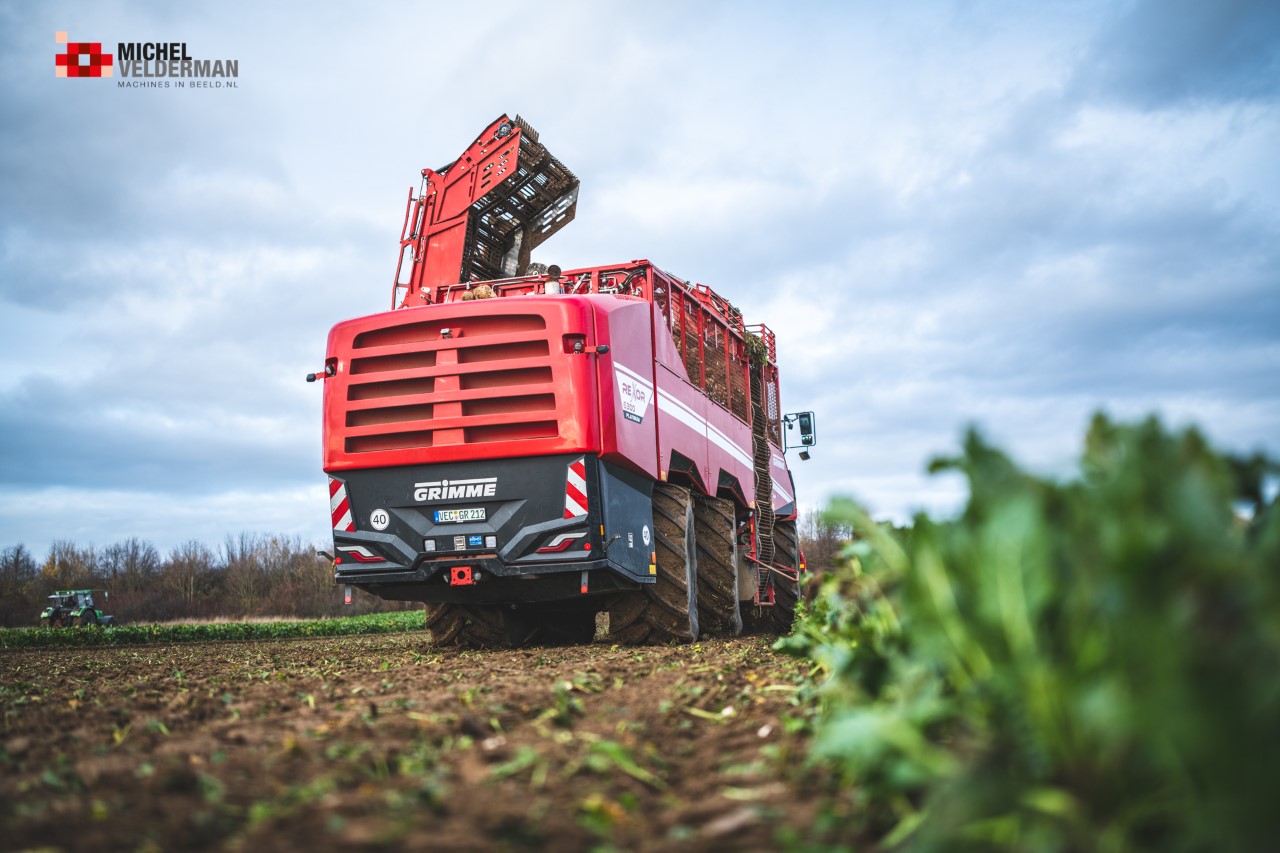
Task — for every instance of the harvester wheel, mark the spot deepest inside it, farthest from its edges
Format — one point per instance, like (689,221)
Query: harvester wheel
(462,625)
(86,619)
(667,610)
(718,611)
(786,553)
(777,619)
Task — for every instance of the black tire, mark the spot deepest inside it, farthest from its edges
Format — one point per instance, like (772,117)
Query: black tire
(45,623)
(666,611)
(786,592)
(715,522)
(87,619)
(474,627)
(777,618)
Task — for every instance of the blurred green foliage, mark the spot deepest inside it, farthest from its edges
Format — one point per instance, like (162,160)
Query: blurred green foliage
(1082,665)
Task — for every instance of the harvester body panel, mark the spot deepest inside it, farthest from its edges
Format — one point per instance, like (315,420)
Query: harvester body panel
(462,380)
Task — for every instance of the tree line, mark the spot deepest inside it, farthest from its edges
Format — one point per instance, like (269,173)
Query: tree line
(246,576)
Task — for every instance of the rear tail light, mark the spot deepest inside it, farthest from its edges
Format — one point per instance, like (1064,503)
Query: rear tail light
(361,554)
(561,542)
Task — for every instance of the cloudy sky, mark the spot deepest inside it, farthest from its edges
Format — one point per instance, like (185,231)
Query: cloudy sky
(1006,214)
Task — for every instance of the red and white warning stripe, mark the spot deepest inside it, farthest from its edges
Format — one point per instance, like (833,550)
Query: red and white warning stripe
(339,506)
(575,489)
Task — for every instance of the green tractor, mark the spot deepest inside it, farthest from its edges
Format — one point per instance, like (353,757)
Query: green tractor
(73,607)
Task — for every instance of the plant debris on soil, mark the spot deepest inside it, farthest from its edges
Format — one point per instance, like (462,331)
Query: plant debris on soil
(384,740)
(184,632)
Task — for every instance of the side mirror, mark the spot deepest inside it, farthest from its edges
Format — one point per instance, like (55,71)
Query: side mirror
(808,431)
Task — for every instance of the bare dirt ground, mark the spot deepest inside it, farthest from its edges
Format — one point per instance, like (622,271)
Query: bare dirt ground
(384,741)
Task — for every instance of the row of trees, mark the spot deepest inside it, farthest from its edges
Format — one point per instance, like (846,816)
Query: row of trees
(822,537)
(248,575)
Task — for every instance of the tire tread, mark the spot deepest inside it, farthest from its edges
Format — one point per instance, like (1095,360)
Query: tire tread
(667,610)
(718,612)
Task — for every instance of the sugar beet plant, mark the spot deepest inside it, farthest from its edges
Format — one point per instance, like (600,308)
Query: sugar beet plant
(1082,665)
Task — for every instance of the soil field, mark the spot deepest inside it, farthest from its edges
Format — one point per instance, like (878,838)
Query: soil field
(384,740)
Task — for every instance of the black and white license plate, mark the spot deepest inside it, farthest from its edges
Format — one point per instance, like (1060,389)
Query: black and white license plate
(469,514)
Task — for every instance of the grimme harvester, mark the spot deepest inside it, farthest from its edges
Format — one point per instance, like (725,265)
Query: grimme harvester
(523,448)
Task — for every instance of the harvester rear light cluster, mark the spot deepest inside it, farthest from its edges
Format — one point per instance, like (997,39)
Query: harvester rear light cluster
(361,554)
(562,542)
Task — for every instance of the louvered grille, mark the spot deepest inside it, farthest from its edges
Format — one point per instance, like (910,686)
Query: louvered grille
(450,381)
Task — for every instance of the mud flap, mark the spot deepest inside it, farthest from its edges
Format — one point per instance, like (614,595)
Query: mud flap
(628,521)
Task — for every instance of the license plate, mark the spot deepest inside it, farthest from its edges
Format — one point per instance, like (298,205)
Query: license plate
(472,514)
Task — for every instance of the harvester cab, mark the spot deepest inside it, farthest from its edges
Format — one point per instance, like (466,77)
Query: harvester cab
(74,607)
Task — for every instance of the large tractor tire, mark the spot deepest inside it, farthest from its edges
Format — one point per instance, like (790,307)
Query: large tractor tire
(462,625)
(777,618)
(45,623)
(87,619)
(665,611)
(786,592)
(715,522)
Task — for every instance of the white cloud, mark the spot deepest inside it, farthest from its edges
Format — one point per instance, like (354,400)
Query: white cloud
(949,213)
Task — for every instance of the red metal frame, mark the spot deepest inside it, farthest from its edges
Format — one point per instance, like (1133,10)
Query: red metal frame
(479,217)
